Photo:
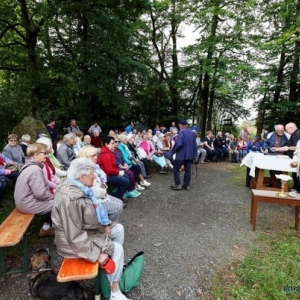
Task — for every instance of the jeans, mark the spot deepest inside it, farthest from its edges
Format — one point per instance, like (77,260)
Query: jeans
(13,176)
(3,186)
(121,183)
(242,154)
(211,154)
(187,171)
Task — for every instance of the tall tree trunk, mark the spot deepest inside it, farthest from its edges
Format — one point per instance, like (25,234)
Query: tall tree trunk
(260,116)
(175,66)
(32,32)
(279,78)
(206,80)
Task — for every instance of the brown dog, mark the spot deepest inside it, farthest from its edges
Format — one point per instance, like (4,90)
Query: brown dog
(43,284)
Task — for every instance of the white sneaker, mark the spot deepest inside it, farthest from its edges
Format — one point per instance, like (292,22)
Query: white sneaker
(118,296)
(139,188)
(145,183)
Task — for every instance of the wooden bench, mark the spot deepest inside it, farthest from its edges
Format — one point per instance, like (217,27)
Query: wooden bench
(12,232)
(271,197)
(80,269)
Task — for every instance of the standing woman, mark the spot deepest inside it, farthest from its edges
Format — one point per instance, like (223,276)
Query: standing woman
(95,139)
(32,194)
(13,150)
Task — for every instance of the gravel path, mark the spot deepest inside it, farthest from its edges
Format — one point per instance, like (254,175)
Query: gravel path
(186,236)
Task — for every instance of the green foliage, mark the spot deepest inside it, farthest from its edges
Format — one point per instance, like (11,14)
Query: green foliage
(268,271)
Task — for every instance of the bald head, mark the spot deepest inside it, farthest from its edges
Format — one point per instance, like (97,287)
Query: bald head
(290,128)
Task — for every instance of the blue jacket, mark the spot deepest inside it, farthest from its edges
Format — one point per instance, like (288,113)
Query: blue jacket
(128,128)
(185,146)
(270,141)
(125,154)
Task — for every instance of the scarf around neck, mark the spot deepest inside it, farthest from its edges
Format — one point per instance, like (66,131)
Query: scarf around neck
(101,212)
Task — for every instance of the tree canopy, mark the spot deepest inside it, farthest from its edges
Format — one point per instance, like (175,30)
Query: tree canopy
(114,61)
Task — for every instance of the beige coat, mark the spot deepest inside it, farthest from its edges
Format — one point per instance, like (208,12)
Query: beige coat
(77,231)
(32,194)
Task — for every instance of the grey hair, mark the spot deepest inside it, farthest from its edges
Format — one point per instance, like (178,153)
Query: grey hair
(26,138)
(80,166)
(46,141)
(69,136)
(122,137)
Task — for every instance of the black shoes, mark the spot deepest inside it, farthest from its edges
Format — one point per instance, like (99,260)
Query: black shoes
(187,188)
(176,187)
(163,172)
(180,187)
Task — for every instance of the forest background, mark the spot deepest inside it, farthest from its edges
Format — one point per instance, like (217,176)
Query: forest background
(115,61)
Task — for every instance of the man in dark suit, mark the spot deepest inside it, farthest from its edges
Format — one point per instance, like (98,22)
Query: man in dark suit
(185,149)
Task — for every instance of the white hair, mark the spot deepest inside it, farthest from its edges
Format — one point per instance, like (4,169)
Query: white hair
(26,138)
(46,141)
(122,137)
(69,136)
(80,166)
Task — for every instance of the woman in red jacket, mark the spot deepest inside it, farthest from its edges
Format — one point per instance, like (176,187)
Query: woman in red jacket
(107,163)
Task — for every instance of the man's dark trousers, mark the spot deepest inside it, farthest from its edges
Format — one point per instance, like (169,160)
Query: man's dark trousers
(187,171)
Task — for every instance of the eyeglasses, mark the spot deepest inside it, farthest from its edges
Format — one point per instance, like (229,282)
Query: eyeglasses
(12,140)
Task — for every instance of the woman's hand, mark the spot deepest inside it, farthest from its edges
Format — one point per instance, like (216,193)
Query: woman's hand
(107,230)
(103,258)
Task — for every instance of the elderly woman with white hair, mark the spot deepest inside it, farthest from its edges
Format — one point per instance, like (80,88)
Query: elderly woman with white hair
(65,153)
(81,230)
(25,141)
(113,205)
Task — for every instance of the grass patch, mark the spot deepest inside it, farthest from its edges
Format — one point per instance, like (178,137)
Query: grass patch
(271,270)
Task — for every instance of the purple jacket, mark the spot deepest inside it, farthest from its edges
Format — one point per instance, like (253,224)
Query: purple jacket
(185,146)
(3,172)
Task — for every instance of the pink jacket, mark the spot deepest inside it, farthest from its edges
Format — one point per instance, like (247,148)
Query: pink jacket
(147,146)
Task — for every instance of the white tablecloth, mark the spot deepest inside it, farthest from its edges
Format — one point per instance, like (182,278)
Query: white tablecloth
(268,162)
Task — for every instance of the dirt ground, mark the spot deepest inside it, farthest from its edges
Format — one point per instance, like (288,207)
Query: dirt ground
(186,236)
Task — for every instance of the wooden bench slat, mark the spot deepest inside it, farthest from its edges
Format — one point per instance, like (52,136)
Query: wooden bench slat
(77,269)
(14,228)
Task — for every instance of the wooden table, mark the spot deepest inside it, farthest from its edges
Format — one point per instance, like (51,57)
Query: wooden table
(257,163)
(271,197)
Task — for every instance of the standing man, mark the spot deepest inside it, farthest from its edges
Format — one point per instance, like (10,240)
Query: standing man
(73,128)
(185,149)
(95,127)
(52,131)
(129,127)
(244,134)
